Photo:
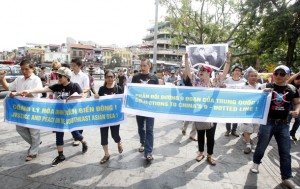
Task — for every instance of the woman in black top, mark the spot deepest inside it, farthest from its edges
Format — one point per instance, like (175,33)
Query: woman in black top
(109,88)
(63,90)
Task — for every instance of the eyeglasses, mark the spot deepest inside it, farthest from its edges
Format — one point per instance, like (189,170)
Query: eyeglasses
(109,76)
(282,74)
(54,69)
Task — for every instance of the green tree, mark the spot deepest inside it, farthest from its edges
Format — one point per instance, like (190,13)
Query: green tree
(203,21)
(270,31)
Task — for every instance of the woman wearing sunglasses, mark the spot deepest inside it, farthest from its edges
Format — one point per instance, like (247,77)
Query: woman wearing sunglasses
(203,80)
(62,91)
(109,88)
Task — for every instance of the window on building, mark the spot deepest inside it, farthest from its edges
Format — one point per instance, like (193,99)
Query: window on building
(80,53)
(74,53)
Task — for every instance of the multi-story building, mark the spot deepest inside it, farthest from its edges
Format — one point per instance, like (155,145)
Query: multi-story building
(107,54)
(80,51)
(57,52)
(168,56)
(125,57)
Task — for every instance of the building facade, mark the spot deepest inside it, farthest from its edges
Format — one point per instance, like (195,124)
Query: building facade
(169,56)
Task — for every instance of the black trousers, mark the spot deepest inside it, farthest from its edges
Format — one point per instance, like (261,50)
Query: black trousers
(210,137)
(114,133)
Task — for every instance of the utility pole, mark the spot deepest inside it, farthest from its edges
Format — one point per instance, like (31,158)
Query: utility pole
(155,37)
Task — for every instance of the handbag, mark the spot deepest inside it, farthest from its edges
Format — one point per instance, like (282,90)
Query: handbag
(203,125)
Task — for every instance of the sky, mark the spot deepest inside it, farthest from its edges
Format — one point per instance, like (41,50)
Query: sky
(106,22)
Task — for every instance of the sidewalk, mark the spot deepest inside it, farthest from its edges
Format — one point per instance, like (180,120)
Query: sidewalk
(173,167)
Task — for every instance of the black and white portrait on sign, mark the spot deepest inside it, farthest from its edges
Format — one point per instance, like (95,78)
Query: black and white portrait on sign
(211,54)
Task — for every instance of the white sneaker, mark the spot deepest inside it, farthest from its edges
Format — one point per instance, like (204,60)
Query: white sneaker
(254,168)
(290,183)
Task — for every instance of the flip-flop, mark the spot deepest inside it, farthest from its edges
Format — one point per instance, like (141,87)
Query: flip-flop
(211,161)
(30,157)
(104,159)
(200,157)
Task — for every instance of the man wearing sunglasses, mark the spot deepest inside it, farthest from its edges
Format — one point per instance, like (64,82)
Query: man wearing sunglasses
(283,96)
(63,91)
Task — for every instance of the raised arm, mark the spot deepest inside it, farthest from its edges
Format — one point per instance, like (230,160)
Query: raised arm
(3,80)
(187,70)
(292,78)
(226,67)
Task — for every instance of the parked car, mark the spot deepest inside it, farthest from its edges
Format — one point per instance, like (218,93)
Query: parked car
(12,72)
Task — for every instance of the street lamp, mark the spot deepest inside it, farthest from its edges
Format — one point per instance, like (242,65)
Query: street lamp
(155,36)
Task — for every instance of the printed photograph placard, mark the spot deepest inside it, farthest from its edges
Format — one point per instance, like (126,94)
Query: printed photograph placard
(209,54)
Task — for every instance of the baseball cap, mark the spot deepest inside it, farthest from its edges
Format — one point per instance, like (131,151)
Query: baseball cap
(65,72)
(172,71)
(209,69)
(284,68)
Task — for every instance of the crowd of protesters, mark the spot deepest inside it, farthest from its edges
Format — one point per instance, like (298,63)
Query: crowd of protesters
(62,83)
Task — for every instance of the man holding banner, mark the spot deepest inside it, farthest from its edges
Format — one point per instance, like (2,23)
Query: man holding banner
(283,95)
(63,90)
(146,136)
(28,81)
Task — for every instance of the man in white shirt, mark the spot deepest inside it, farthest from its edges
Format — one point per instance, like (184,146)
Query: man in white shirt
(78,76)
(26,82)
(82,79)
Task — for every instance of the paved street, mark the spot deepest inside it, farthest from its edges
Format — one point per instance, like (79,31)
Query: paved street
(173,167)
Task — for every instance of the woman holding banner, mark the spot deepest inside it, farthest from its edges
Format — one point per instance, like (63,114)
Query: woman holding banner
(203,80)
(109,88)
(248,128)
(63,90)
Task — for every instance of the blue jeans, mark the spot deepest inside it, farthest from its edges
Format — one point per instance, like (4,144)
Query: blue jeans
(60,137)
(146,136)
(295,125)
(282,136)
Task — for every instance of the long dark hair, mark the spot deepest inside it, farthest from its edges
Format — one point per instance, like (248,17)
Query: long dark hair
(105,74)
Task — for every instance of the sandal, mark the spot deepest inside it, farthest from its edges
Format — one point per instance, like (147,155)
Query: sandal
(200,157)
(211,160)
(30,157)
(149,157)
(104,159)
(120,147)
(141,149)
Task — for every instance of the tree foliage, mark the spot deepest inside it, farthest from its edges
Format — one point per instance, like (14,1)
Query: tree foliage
(271,30)
(258,31)
(202,21)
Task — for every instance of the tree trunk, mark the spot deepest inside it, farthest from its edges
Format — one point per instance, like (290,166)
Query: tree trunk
(291,51)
